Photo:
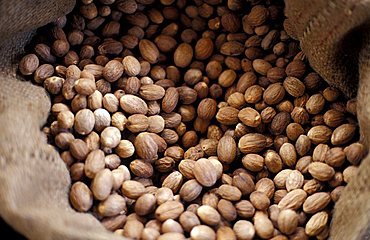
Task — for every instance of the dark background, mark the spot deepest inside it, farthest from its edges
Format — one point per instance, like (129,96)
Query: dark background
(7,233)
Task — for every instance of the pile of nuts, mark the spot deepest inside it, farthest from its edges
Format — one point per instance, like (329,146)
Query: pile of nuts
(194,119)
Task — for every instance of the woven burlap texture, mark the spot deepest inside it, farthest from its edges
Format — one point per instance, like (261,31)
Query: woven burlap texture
(34,181)
(334,35)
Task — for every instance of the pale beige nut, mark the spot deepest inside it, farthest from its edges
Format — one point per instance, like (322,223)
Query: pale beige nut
(189,220)
(146,147)
(133,228)
(225,232)
(84,121)
(245,209)
(150,234)
(252,143)
(253,162)
(280,178)
(250,117)
(152,92)
(94,163)
(321,171)
(85,86)
(186,168)
(287,221)
(244,229)
(227,115)
(316,223)
(288,154)
(115,204)
(205,172)
(266,186)
(110,137)
(102,119)
(319,134)
(169,210)
(102,184)
(343,134)
(293,200)
(227,210)
(259,200)
(125,149)
(81,197)
(263,225)
(294,180)
(173,181)
(131,66)
(132,189)
(145,204)
(218,165)
(202,232)
(171,226)
(133,104)
(228,192)
(349,173)
(163,195)
(209,215)
(141,168)
(171,235)
(190,190)
(316,202)
(119,120)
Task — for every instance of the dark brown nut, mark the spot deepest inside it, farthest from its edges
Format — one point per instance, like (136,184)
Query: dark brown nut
(252,143)
(279,123)
(227,115)
(207,109)
(274,94)
(226,149)
(294,86)
(28,64)
(257,16)
(203,48)
(149,51)
(183,55)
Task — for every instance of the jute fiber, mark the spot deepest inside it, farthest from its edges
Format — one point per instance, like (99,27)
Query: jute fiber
(34,182)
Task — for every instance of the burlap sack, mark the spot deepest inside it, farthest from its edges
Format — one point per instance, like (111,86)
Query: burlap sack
(335,36)
(34,182)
